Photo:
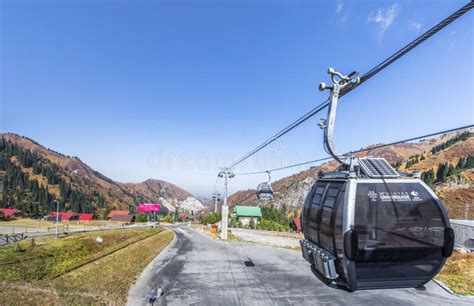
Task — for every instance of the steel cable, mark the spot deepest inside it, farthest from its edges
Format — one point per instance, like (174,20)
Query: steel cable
(397,55)
(358,151)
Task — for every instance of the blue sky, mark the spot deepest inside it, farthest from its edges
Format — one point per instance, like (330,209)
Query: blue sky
(170,89)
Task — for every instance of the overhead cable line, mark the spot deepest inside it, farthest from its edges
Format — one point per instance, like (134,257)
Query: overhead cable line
(287,129)
(285,167)
(414,138)
(358,151)
(363,78)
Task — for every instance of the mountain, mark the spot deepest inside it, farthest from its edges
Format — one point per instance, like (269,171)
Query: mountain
(171,196)
(454,186)
(32,177)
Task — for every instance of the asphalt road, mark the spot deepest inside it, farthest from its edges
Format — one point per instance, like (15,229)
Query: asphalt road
(198,270)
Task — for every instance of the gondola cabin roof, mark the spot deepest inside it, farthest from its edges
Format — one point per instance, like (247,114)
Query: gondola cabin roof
(366,167)
(377,168)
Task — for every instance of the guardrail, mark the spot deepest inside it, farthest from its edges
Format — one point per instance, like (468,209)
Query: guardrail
(11,238)
(3,237)
(63,226)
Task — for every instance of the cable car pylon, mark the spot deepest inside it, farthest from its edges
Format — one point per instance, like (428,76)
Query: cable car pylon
(226,174)
(215,197)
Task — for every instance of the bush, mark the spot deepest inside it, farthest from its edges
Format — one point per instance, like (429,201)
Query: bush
(252,223)
(233,223)
(269,225)
(141,217)
(168,219)
(280,216)
(210,218)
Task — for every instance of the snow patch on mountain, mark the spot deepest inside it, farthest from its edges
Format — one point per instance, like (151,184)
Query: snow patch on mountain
(191,204)
(168,204)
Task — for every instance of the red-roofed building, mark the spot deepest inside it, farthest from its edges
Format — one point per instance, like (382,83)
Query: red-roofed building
(297,224)
(10,213)
(117,213)
(65,216)
(126,219)
(86,217)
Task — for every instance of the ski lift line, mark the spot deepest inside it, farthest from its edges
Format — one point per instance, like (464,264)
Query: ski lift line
(416,42)
(414,138)
(359,151)
(285,167)
(284,131)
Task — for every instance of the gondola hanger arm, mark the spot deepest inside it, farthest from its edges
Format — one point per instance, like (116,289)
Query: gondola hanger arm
(340,84)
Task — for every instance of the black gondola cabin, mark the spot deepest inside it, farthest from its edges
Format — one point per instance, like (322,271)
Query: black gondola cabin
(370,228)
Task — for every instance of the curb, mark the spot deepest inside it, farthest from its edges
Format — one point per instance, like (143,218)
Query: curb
(444,286)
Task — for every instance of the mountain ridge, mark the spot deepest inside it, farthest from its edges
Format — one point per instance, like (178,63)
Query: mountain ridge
(59,174)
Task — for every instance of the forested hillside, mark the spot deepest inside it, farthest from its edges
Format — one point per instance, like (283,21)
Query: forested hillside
(33,178)
(33,184)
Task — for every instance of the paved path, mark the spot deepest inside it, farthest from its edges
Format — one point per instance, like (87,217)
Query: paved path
(198,270)
(265,237)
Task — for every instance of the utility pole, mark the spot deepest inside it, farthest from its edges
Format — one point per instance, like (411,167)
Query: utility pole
(57,217)
(215,196)
(226,174)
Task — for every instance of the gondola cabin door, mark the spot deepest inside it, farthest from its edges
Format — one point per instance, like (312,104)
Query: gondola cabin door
(403,233)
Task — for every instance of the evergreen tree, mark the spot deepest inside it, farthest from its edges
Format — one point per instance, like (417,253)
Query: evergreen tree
(469,162)
(444,174)
(451,170)
(461,163)
(450,142)
(428,177)
(439,172)
(398,164)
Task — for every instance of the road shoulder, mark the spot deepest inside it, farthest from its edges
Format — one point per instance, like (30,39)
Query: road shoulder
(138,291)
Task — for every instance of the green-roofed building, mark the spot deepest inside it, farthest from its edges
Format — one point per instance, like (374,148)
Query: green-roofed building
(245,213)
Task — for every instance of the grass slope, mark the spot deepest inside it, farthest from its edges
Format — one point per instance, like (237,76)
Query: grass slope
(66,271)
(458,273)
(109,279)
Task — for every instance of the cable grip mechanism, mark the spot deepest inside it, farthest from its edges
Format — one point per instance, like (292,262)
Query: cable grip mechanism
(340,85)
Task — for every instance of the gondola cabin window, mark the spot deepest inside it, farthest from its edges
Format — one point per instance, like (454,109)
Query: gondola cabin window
(398,223)
(313,225)
(326,230)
